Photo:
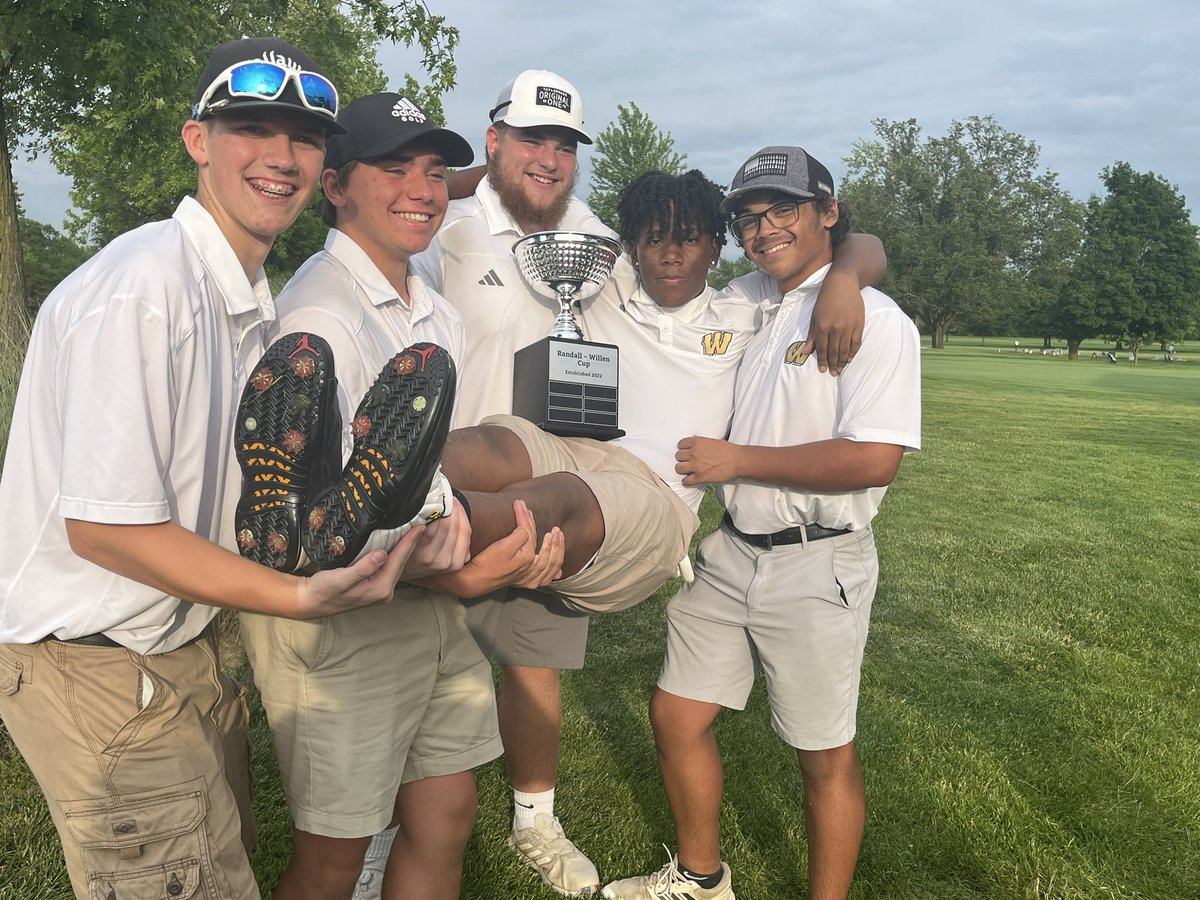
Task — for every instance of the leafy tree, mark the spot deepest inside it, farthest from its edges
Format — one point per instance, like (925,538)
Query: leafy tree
(962,217)
(49,257)
(1138,276)
(103,87)
(627,148)
(729,269)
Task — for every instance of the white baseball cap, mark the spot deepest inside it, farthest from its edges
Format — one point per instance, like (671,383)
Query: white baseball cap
(537,97)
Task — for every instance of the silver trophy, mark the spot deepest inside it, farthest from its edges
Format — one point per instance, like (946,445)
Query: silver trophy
(563,383)
(559,264)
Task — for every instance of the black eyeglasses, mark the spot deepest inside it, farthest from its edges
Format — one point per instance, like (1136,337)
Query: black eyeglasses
(780,215)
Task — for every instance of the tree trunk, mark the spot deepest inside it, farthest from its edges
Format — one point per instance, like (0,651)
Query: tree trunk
(12,278)
(1073,349)
(937,337)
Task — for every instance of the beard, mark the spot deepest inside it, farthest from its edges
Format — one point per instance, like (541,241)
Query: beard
(527,214)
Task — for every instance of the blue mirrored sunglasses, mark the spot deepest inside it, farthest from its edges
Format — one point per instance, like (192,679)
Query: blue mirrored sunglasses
(266,81)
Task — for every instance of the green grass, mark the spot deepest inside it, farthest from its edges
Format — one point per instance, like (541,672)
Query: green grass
(1030,713)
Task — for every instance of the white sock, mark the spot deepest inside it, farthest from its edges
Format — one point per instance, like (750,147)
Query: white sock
(528,805)
(381,844)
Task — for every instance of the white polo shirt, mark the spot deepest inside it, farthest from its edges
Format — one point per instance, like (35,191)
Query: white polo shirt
(340,294)
(677,368)
(471,264)
(782,399)
(125,415)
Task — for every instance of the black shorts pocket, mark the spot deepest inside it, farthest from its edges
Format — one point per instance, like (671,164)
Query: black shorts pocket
(149,846)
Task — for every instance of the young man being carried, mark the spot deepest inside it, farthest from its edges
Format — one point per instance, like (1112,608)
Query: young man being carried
(537,124)
(788,580)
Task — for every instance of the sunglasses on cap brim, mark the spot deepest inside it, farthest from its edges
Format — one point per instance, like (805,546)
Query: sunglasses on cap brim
(264,80)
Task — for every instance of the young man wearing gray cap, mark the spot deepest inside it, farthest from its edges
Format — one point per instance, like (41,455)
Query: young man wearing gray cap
(119,490)
(786,583)
(380,716)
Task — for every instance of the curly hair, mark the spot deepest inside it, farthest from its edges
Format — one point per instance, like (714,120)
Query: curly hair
(675,204)
(841,228)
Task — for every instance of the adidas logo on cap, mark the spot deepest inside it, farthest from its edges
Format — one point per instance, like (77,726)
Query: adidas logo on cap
(408,111)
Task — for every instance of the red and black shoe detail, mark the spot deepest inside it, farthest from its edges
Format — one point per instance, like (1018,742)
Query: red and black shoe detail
(399,432)
(288,444)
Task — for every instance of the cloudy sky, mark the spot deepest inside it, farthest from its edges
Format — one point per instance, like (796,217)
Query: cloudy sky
(1090,81)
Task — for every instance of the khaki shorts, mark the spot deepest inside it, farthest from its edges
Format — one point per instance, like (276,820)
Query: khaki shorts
(144,762)
(647,528)
(363,702)
(518,627)
(798,613)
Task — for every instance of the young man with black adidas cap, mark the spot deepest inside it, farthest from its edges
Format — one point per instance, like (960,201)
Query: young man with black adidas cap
(380,716)
(119,490)
(786,583)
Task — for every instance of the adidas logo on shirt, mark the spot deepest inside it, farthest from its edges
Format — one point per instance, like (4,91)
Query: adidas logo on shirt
(491,279)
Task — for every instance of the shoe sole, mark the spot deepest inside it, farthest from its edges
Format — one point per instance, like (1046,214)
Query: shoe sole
(399,431)
(283,428)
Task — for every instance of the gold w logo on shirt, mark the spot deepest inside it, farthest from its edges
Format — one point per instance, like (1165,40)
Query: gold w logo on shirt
(717,342)
(795,355)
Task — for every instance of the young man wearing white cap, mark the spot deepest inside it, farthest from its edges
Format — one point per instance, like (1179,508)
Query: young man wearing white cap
(537,124)
(786,583)
(119,487)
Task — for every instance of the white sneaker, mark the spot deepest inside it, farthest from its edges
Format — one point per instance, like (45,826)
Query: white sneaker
(370,880)
(552,855)
(439,503)
(669,882)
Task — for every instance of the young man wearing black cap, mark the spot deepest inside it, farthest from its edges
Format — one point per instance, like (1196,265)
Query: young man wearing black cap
(786,583)
(119,488)
(380,716)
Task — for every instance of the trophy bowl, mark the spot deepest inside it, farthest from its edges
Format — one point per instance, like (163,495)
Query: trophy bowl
(568,266)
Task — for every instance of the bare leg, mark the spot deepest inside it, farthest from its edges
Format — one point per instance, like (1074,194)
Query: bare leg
(530,710)
(436,817)
(491,466)
(321,868)
(692,774)
(835,810)
(560,499)
(485,458)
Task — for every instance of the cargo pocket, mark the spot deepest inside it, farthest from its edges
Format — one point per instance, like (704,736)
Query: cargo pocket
(149,847)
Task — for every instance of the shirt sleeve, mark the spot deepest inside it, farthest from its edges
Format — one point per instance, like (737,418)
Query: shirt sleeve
(117,380)
(879,399)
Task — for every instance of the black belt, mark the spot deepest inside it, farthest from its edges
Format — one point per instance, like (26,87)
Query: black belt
(87,640)
(103,640)
(798,535)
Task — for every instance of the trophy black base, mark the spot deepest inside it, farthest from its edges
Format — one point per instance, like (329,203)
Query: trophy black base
(568,387)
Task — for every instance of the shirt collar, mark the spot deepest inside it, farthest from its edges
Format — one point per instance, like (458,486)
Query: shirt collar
(498,219)
(642,306)
(240,295)
(806,288)
(378,289)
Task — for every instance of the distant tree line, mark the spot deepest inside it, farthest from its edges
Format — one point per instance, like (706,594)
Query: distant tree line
(981,239)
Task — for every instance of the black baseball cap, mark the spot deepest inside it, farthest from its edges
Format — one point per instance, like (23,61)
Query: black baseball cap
(213,94)
(378,125)
(789,170)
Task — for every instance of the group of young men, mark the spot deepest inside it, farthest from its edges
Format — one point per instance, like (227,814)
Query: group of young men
(181,442)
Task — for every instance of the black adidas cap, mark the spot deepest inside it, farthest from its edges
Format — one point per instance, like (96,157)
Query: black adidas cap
(378,125)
